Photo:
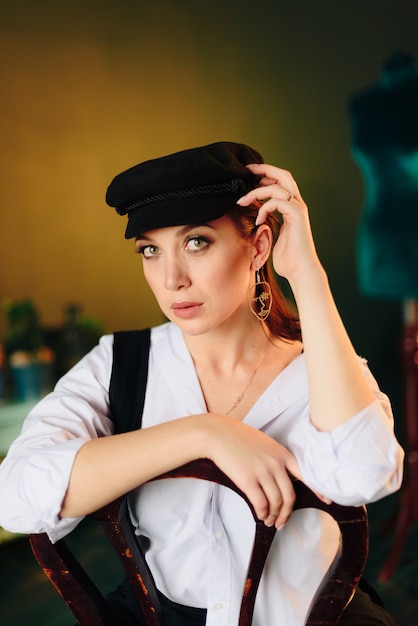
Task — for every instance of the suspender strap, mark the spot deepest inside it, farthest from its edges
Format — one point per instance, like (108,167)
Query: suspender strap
(128,380)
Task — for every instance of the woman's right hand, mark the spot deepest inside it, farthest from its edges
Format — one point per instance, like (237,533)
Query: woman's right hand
(108,467)
(257,464)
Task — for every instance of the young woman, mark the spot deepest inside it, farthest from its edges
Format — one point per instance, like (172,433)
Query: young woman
(230,380)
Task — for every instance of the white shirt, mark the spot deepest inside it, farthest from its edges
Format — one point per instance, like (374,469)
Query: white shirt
(200,533)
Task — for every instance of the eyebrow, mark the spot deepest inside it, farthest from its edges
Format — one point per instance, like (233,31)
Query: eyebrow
(189,227)
(179,233)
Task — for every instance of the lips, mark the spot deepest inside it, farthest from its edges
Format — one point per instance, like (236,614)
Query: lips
(186,309)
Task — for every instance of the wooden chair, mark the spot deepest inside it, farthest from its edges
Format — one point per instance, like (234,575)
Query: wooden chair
(90,608)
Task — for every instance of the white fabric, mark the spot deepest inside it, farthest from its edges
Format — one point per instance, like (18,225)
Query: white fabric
(201,534)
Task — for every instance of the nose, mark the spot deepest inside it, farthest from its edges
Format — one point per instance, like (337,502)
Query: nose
(176,274)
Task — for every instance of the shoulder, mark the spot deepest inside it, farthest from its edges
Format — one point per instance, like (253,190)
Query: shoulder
(167,339)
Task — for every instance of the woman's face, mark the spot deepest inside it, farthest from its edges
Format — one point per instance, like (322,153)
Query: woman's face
(200,275)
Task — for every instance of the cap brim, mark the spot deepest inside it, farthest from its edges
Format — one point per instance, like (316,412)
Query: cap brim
(178,212)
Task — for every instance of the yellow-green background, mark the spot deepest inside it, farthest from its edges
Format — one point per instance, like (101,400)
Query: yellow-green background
(91,87)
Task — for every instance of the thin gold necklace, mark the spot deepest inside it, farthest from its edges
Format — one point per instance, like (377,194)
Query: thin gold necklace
(241,395)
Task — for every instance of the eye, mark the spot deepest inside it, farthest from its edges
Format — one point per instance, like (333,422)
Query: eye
(196,243)
(148,251)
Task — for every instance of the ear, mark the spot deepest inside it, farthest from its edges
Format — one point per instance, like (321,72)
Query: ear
(261,246)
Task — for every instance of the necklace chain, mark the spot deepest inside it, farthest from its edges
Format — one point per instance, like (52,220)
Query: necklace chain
(241,395)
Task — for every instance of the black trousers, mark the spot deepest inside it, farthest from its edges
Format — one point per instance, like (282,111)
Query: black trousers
(126,612)
(362,610)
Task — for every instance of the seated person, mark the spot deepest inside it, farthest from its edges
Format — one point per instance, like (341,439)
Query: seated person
(234,376)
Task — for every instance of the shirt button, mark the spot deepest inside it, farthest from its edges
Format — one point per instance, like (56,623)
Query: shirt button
(219,535)
(218,606)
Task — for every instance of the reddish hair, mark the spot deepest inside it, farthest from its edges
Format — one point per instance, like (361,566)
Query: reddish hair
(282,322)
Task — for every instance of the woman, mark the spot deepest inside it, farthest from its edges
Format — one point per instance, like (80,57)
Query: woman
(230,380)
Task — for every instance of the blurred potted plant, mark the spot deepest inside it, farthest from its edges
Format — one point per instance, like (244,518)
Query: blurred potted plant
(77,336)
(27,356)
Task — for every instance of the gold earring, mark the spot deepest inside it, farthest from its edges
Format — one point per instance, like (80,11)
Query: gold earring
(261,303)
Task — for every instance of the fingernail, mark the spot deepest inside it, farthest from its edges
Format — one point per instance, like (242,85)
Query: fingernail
(240,200)
(268,523)
(280,527)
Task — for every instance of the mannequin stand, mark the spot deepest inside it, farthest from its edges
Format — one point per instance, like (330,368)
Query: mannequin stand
(408,505)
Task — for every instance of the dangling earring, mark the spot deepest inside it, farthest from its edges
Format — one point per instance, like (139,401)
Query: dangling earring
(261,303)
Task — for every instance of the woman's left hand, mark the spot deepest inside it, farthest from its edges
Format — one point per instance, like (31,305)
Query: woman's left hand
(294,251)
(329,353)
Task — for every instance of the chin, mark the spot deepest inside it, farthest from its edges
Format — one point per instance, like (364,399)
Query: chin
(193,329)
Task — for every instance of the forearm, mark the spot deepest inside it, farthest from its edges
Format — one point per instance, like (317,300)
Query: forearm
(108,467)
(337,386)
(111,466)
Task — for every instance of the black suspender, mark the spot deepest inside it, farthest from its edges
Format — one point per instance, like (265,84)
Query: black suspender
(128,380)
(127,387)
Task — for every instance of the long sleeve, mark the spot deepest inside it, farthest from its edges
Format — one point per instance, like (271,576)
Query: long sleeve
(357,462)
(35,473)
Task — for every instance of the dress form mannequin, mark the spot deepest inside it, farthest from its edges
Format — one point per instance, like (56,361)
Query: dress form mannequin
(384,121)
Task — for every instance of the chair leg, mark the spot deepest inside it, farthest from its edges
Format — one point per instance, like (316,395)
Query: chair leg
(71,581)
(408,508)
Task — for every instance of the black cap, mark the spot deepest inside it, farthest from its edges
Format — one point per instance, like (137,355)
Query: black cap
(188,187)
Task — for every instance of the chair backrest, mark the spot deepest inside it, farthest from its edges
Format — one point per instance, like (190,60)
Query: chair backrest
(90,608)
